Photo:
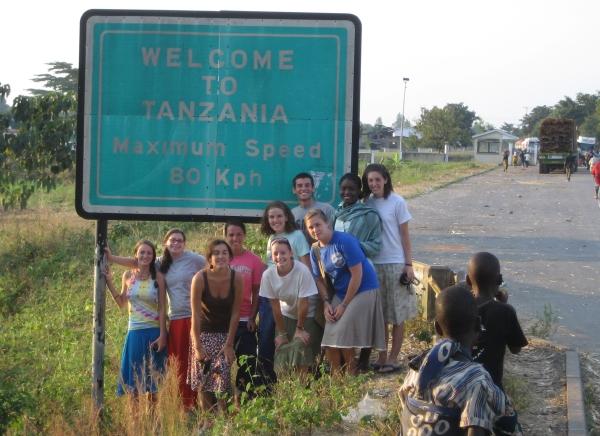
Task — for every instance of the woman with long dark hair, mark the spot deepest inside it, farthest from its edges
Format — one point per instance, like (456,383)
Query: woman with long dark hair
(143,292)
(394,259)
(178,266)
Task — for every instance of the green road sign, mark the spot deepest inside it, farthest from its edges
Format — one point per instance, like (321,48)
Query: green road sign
(207,115)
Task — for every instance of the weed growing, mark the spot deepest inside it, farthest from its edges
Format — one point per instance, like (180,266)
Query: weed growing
(545,324)
(516,388)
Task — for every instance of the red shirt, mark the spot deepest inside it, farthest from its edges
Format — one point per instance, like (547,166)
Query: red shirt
(596,172)
(251,267)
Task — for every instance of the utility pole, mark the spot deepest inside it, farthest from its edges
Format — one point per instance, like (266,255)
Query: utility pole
(405,79)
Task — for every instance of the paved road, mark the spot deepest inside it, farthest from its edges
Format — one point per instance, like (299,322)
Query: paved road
(544,230)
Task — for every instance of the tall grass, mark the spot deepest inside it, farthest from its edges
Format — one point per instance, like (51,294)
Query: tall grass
(46,281)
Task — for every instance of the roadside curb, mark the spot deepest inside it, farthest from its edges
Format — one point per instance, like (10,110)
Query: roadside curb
(575,406)
(451,182)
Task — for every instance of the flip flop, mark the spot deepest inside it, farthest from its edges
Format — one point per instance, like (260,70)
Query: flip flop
(389,369)
(375,366)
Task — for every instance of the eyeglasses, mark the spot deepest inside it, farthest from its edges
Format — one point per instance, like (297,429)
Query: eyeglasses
(175,241)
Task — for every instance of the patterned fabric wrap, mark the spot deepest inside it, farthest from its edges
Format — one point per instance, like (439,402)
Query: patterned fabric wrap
(214,374)
(446,377)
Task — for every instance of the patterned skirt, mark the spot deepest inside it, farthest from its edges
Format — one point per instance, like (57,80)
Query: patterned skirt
(214,374)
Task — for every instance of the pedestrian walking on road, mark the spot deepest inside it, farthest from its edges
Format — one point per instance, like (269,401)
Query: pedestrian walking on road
(595,170)
(522,158)
(505,160)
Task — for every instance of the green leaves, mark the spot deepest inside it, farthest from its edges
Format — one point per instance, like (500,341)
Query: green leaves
(448,125)
(42,147)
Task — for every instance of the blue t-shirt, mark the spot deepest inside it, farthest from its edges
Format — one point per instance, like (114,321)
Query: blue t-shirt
(342,252)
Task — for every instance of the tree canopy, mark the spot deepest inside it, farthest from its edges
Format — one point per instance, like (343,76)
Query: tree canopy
(61,77)
(42,143)
(450,125)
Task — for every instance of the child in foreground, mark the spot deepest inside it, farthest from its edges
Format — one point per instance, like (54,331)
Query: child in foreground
(445,392)
(501,328)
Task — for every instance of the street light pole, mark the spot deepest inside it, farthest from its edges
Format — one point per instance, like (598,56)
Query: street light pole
(405,79)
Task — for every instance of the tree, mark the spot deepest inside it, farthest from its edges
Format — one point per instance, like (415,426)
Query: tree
(450,125)
(591,124)
(4,92)
(42,148)
(511,128)
(530,123)
(62,77)
(481,126)
(438,127)
(396,124)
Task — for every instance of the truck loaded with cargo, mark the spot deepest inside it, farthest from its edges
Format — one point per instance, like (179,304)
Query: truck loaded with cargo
(558,141)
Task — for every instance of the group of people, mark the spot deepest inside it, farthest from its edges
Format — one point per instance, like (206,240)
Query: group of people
(335,284)
(329,286)
(519,157)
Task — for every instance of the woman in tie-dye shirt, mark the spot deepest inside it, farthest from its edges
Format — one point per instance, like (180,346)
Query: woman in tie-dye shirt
(144,350)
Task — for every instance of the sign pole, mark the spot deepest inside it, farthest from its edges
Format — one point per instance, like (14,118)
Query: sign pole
(99,315)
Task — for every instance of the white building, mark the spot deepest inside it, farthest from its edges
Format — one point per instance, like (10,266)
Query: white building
(489,146)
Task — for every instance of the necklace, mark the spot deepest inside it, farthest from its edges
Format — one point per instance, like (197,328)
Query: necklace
(142,276)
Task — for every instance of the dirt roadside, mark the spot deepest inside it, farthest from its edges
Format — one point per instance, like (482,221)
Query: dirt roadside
(590,372)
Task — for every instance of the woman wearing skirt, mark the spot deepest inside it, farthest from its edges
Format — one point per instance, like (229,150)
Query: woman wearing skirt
(216,299)
(353,316)
(144,350)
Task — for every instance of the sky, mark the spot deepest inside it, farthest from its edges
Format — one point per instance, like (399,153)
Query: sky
(501,58)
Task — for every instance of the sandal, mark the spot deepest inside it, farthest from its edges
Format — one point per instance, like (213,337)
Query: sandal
(389,369)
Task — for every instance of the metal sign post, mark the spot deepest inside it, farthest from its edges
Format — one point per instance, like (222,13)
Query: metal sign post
(99,316)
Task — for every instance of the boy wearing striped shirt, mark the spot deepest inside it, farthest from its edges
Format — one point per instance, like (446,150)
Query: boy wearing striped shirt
(445,392)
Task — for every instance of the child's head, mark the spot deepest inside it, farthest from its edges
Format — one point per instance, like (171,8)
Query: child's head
(277,218)
(484,273)
(456,315)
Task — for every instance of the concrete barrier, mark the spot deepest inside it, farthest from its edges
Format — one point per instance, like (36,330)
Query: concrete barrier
(433,279)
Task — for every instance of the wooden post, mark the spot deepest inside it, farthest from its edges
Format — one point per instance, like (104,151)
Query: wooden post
(99,313)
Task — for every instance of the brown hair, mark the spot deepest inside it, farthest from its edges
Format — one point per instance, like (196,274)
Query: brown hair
(315,212)
(283,241)
(383,172)
(234,222)
(290,223)
(152,264)
(215,243)
(167,259)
